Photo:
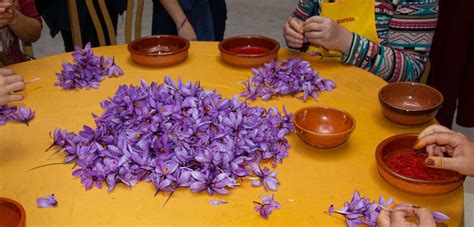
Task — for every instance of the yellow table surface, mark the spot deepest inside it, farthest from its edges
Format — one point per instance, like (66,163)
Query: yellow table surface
(310,179)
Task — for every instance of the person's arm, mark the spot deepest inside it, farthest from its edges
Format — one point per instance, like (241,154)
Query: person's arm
(26,28)
(403,56)
(183,25)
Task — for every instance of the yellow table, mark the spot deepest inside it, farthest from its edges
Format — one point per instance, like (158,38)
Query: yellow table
(310,179)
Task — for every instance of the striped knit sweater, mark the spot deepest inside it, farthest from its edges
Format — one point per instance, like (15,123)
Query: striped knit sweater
(405,29)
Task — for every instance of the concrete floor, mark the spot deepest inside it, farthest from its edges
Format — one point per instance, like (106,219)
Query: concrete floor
(263,17)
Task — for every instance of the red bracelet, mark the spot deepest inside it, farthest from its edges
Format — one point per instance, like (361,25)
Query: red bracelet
(182,23)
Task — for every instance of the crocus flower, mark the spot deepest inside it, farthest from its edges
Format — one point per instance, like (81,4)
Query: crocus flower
(46,202)
(266,207)
(7,113)
(289,77)
(24,115)
(87,70)
(175,135)
(265,176)
(114,70)
(360,210)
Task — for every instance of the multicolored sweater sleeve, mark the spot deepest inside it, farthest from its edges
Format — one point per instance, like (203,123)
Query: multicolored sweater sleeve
(306,9)
(405,36)
(405,29)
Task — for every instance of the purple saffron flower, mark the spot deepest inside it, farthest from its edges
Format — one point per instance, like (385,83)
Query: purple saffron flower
(265,176)
(289,77)
(174,135)
(46,202)
(114,70)
(24,115)
(7,113)
(86,71)
(266,207)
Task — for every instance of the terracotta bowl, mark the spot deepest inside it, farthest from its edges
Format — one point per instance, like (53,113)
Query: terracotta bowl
(323,127)
(11,213)
(248,50)
(410,103)
(159,51)
(401,142)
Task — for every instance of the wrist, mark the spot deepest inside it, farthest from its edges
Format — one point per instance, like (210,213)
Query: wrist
(181,24)
(345,41)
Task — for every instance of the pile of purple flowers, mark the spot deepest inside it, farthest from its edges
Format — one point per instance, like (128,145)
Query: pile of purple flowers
(286,77)
(14,113)
(177,135)
(360,210)
(87,70)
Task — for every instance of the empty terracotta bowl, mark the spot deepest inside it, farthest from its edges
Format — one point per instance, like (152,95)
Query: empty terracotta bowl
(404,168)
(410,103)
(248,50)
(159,51)
(11,213)
(323,127)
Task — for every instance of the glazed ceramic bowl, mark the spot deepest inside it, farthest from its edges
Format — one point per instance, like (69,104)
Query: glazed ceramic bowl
(248,50)
(410,103)
(323,127)
(401,142)
(11,213)
(159,51)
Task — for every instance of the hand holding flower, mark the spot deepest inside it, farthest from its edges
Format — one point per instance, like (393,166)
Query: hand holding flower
(325,32)
(293,32)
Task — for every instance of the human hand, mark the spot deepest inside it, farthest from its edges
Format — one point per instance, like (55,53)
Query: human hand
(293,32)
(325,32)
(397,217)
(9,83)
(187,31)
(7,14)
(439,140)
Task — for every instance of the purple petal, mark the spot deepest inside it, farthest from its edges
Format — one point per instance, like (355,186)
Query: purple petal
(48,201)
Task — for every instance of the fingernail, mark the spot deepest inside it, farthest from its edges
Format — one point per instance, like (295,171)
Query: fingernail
(429,162)
(419,144)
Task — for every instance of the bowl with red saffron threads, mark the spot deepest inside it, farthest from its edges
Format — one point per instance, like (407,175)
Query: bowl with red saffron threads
(403,167)
(12,213)
(248,50)
(159,50)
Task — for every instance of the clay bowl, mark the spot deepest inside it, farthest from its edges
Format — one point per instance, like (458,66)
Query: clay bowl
(159,51)
(400,143)
(410,103)
(248,50)
(323,127)
(11,213)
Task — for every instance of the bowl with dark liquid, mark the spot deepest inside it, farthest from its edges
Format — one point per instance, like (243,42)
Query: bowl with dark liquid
(11,213)
(323,127)
(403,167)
(159,50)
(410,103)
(248,50)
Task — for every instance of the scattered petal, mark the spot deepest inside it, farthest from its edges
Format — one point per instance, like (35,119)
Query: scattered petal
(48,201)
(217,202)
